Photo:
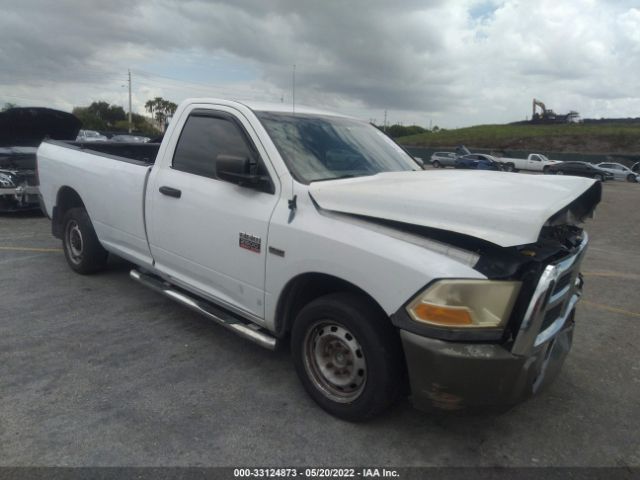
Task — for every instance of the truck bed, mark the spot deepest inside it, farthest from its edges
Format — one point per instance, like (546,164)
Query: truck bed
(140,152)
(110,179)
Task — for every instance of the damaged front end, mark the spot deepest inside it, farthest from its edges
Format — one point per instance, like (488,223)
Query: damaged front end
(21,131)
(18,180)
(465,368)
(453,369)
(480,342)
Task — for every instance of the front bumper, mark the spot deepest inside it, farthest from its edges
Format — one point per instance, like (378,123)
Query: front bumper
(22,197)
(455,375)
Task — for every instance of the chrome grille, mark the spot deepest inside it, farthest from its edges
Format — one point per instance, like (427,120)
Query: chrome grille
(555,296)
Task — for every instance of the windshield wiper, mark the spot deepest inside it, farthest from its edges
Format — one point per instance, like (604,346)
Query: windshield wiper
(339,177)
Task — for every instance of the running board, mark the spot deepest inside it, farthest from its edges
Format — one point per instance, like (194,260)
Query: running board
(245,329)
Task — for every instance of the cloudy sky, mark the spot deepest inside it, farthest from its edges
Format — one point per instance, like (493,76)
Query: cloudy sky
(449,63)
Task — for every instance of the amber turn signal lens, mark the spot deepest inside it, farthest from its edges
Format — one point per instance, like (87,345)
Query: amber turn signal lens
(460,303)
(439,315)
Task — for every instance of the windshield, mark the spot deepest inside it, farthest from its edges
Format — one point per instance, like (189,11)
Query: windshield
(325,148)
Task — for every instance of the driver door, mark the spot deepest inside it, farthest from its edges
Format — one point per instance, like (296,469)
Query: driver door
(208,234)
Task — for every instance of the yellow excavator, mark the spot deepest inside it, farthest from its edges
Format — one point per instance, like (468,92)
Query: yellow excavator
(547,115)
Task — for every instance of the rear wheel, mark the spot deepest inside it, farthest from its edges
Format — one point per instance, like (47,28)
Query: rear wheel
(599,177)
(347,356)
(545,170)
(82,249)
(559,172)
(509,167)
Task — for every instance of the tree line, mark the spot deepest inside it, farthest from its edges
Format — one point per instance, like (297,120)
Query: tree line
(397,130)
(103,116)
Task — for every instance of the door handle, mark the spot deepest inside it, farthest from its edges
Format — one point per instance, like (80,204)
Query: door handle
(171,192)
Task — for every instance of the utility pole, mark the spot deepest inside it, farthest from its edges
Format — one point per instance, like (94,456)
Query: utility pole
(129,101)
(293,89)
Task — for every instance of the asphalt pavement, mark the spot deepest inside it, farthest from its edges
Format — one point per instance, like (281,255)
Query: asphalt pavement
(99,371)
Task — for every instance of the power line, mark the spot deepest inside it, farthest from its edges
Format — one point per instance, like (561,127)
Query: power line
(174,79)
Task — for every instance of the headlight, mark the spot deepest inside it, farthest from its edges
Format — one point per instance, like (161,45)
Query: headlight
(465,303)
(6,181)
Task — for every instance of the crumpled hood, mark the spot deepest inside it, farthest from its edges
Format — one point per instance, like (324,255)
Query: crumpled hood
(506,209)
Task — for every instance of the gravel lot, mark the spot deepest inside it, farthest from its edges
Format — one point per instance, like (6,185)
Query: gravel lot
(98,371)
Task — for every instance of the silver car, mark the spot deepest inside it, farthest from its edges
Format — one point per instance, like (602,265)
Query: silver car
(90,136)
(443,159)
(620,172)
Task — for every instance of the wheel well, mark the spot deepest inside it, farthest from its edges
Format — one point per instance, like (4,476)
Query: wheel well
(66,199)
(307,287)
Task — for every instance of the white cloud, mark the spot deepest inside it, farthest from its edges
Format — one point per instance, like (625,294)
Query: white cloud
(453,62)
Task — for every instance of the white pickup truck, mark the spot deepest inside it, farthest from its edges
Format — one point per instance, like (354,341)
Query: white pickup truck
(535,162)
(316,230)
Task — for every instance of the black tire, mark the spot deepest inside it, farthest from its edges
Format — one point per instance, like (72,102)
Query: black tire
(599,177)
(436,164)
(631,178)
(82,249)
(509,167)
(364,336)
(545,170)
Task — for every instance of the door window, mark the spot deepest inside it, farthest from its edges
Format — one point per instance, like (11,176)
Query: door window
(206,137)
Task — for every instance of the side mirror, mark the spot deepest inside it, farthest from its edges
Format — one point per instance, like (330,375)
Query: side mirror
(242,171)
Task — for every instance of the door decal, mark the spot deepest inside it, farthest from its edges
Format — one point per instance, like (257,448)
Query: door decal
(250,242)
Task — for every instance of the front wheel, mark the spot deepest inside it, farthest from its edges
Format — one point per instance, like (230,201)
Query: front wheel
(631,178)
(545,170)
(436,164)
(347,356)
(598,177)
(82,249)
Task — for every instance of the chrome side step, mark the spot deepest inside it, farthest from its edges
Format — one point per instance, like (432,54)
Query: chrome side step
(243,328)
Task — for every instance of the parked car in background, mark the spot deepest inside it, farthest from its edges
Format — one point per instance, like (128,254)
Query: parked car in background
(21,131)
(478,161)
(90,136)
(581,169)
(535,162)
(620,172)
(129,139)
(443,159)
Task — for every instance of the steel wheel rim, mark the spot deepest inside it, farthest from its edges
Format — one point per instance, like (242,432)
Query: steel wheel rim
(74,241)
(334,361)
